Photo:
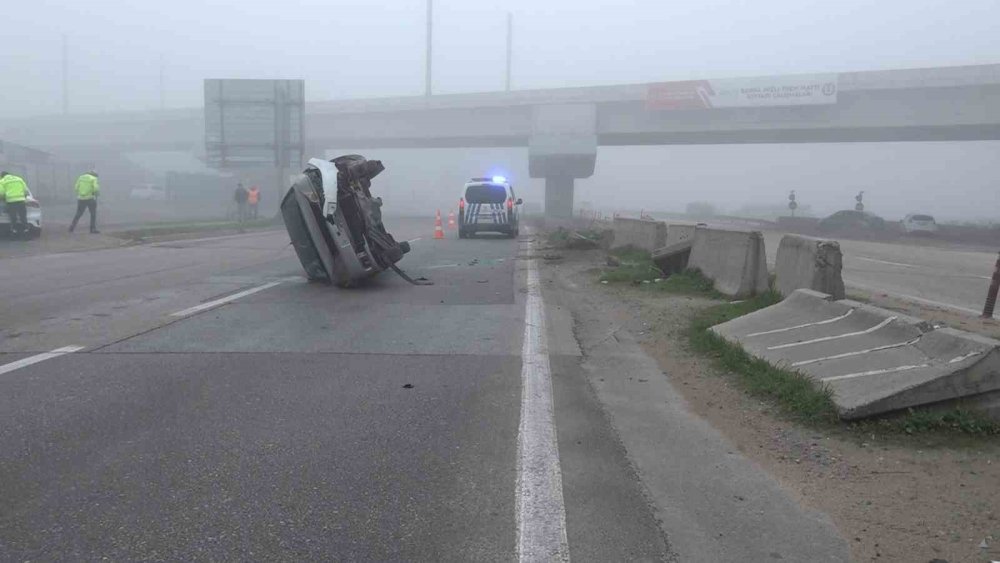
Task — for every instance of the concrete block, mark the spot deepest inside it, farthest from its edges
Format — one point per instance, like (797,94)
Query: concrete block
(734,260)
(874,360)
(810,263)
(677,233)
(672,259)
(640,233)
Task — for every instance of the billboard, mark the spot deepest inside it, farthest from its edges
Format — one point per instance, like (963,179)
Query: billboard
(776,91)
(254,123)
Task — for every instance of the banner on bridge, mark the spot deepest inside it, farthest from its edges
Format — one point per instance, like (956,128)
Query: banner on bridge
(775,91)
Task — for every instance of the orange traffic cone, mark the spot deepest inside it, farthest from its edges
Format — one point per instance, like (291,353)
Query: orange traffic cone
(451,221)
(438,231)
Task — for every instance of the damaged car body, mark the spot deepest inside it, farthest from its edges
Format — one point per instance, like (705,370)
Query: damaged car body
(336,225)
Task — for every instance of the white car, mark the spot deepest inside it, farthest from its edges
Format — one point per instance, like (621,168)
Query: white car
(916,223)
(148,192)
(488,205)
(34,213)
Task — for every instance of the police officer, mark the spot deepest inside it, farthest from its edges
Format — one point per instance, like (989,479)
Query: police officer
(15,192)
(87,189)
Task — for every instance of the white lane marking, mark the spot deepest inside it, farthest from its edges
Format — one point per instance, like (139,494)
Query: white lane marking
(834,337)
(227,299)
(913,298)
(541,514)
(874,372)
(823,322)
(413,240)
(855,353)
(886,262)
(25,362)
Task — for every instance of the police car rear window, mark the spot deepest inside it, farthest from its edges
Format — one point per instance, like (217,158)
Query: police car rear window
(485,193)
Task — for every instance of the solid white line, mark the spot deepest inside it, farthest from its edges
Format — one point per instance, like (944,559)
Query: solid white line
(886,262)
(834,337)
(413,240)
(541,514)
(827,321)
(227,299)
(25,362)
(855,353)
(874,372)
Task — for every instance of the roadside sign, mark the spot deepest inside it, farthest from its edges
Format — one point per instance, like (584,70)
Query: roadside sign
(254,123)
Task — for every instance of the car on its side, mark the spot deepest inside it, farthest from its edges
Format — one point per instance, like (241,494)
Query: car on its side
(919,224)
(34,213)
(489,205)
(850,220)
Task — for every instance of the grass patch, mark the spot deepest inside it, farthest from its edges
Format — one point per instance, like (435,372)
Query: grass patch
(798,398)
(688,282)
(174,228)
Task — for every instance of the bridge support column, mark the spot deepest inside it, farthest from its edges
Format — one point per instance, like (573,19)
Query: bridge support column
(559,197)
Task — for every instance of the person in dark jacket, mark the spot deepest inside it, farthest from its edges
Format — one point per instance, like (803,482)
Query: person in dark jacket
(240,196)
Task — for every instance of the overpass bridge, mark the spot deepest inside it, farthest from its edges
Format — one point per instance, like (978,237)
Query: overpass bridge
(563,128)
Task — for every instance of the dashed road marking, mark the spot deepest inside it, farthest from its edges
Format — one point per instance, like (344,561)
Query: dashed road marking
(867,259)
(541,513)
(25,362)
(224,300)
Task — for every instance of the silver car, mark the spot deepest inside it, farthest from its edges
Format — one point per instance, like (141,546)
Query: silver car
(918,224)
(34,216)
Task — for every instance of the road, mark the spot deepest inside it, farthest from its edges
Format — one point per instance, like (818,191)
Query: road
(951,277)
(199,399)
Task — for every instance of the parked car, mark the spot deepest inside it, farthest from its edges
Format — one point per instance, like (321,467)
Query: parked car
(848,219)
(148,192)
(34,216)
(919,224)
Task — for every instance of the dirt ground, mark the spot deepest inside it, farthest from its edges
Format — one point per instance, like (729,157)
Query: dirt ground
(893,498)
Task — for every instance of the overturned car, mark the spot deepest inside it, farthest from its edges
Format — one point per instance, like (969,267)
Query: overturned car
(336,225)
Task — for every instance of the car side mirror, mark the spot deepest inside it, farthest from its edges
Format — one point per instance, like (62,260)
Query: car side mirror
(519,201)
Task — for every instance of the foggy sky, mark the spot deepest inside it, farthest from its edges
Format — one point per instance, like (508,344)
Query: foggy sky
(353,48)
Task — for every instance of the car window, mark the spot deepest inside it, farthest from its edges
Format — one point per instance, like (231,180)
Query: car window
(486,193)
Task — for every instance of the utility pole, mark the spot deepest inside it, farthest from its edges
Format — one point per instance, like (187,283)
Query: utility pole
(65,76)
(163,102)
(510,42)
(430,38)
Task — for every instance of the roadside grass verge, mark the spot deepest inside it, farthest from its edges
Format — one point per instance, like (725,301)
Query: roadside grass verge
(798,398)
(179,227)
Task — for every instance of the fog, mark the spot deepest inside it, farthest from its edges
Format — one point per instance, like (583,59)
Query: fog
(118,51)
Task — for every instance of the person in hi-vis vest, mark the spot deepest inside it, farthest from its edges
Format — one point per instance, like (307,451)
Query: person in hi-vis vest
(87,189)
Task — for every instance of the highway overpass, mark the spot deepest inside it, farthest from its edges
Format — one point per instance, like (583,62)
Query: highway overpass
(562,128)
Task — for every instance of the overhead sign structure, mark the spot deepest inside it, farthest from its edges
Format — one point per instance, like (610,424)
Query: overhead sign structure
(800,90)
(254,123)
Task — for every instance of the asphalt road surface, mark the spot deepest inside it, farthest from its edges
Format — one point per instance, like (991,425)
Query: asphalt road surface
(199,400)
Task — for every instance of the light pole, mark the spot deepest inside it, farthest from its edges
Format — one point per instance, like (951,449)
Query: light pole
(429,54)
(510,42)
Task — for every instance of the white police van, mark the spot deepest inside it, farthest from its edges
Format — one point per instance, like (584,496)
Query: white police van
(488,205)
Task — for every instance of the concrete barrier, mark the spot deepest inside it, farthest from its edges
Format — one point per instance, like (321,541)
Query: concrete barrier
(874,360)
(677,233)
(809,263)
(733,260)
(640,233)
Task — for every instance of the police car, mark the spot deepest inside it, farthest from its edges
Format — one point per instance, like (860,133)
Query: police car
(488,205)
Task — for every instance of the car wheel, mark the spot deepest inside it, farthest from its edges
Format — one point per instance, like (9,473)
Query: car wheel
(34,232)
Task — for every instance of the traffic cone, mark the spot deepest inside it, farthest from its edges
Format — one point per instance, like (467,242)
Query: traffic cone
(451,221)
(438,230)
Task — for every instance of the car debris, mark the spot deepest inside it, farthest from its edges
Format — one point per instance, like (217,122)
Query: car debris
(336,224)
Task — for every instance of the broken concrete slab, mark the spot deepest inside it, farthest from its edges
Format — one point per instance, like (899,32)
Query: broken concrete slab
(673,258)
(734,260)
(874,360)
(809,263)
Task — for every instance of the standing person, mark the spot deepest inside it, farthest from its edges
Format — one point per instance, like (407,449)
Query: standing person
(15,191)
(240,196)
(87,189)
(253,198)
